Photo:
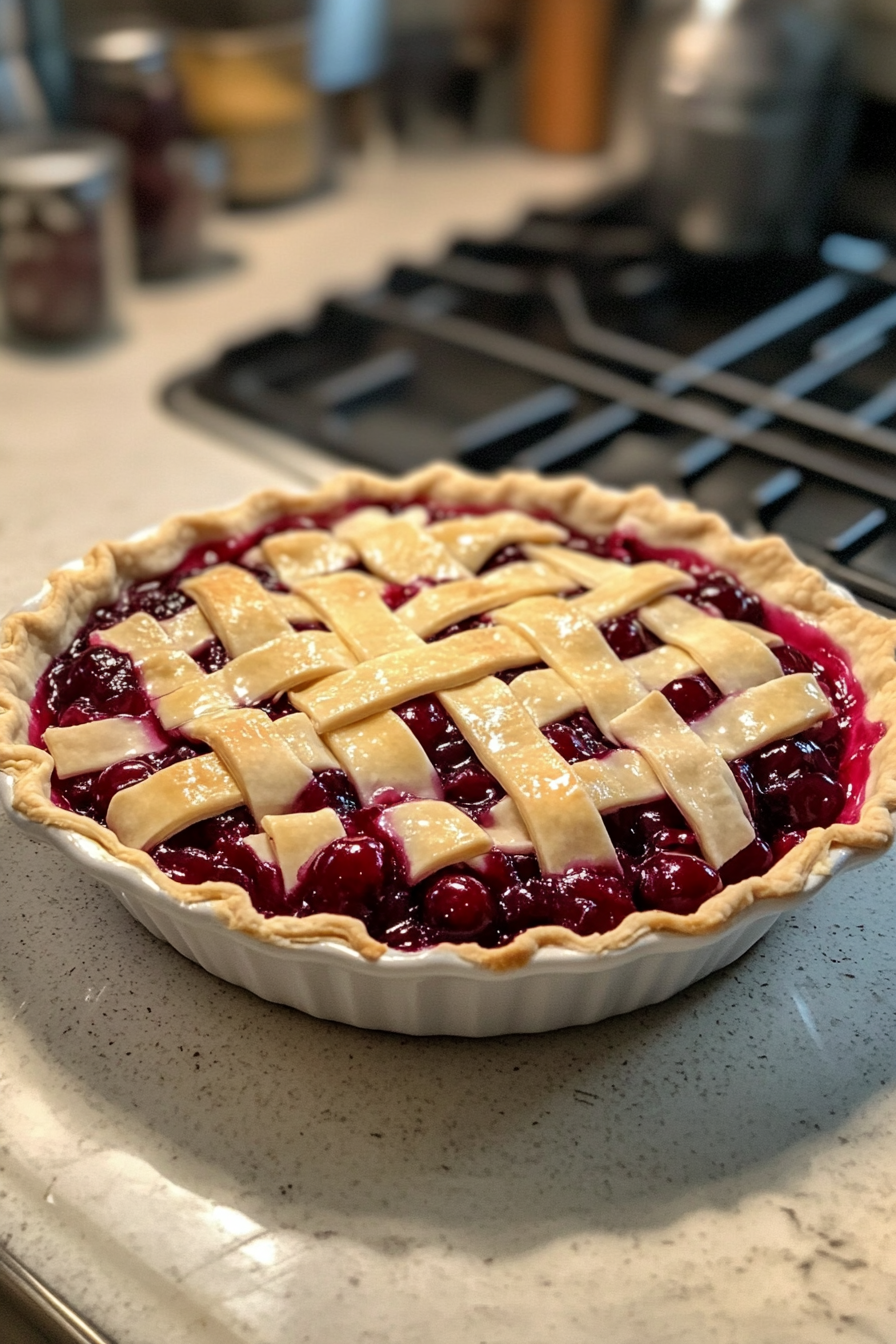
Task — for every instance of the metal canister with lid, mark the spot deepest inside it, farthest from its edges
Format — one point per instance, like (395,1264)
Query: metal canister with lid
(125,85)
(63,237)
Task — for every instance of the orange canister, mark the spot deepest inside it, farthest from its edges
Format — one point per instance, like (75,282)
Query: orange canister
(567,74)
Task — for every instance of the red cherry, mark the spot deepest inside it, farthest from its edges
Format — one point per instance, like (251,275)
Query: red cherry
(806,801)
(691,696)
(117,777)
(345,877)
(754,859)
(473,789)
(80,711)
(679,883)
(459,906)
(786,841)
(734,602)
(526,905)
(591,900)
(626,636)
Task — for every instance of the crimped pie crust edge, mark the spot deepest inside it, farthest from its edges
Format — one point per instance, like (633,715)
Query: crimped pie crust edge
(29,640)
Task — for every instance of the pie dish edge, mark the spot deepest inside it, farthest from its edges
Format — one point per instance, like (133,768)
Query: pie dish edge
(29,639)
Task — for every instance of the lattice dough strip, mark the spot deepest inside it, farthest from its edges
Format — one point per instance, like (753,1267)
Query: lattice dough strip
(139,635)
(284,663)
(188,630)
(693,774)
(298,837)
(763,714)
(387,681)
(435,608)
(149,812)
(564,824)
(573,646)
(237,608)
(546,696)
(400,552)
(162,666)
(658,667)
(620,779)
(507,830)
(85,747)
(351,605)
(165,670)
(731,657)
(598,572)
(371,518)
(381,754)
(294,556)
(474,538)
(298,731)
(269,773)
(433,835)
(629,588)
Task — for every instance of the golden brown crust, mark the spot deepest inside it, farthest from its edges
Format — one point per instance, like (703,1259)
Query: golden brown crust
(29,640)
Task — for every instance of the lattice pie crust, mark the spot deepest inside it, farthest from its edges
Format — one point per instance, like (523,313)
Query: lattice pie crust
(346,679)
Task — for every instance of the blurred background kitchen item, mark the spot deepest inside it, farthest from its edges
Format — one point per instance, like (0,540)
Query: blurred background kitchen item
(567,74)
(251,89)
(348,39)
(751,124)
(125,85)
(63,236)
(22,103)
(49,55)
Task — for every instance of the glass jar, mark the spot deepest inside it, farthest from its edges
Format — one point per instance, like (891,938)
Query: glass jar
(125,84)
(250,88)
(63,236)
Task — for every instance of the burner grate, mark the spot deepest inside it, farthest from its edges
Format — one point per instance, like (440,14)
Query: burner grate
(765,390)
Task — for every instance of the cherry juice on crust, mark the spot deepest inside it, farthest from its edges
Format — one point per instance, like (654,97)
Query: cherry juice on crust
(789,786)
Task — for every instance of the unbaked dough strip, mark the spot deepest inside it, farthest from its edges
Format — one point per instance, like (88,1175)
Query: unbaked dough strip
(693,774)
(381,754)
(381,683)
(292,661)
(433,835)
(629,588)
(85,747)
(657,668)
(298,731)
(351,605)
(620,779)
(474,537)
(149,812)
(435,608)
(373,516)
(731,657)
(237,608)
(556,809)
(546,696)
(162,666)
(763,714)
(400,552)
(506,829)
(269,772)
(298,837)
(294,556)
(573,646)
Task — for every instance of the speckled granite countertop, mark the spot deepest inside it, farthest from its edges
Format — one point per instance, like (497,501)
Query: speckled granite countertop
(187,1163)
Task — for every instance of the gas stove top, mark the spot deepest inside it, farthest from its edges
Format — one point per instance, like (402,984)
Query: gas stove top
(764,389)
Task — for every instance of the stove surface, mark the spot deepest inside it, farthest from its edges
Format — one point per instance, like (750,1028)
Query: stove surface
(763,388)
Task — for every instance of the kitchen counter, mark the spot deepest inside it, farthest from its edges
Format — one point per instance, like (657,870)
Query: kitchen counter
(186,1163)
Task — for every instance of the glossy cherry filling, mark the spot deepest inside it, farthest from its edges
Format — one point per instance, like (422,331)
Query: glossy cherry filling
(788,786)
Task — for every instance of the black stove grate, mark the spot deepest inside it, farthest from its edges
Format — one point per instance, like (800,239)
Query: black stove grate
(764,389)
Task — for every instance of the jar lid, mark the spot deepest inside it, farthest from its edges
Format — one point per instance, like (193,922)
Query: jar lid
(54,159)
(135,48)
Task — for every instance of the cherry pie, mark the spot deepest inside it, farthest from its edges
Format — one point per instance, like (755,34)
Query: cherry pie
(499,714)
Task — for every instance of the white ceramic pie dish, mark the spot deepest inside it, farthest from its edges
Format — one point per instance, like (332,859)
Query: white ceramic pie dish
(434,991)
(429,993)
